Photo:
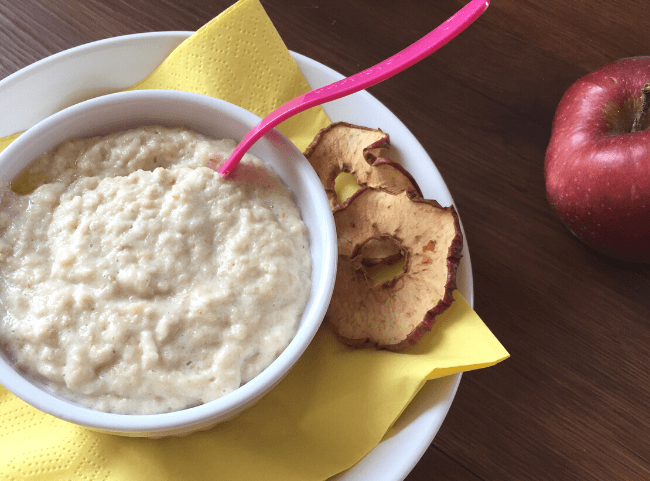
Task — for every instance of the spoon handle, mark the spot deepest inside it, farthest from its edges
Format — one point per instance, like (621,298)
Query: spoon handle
(367,78)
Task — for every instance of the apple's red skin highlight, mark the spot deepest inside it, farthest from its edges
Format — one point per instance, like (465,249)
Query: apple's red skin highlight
(597,182)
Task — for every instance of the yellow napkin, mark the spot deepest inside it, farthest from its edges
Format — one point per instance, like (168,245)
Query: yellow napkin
(333,407)
(4,141)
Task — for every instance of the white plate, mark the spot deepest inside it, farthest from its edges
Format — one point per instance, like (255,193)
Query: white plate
(83,72)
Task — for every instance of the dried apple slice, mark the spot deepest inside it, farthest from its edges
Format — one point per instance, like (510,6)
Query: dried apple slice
(393,313)
(360,151)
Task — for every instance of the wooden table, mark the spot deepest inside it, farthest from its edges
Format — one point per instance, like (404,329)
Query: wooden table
(572,402)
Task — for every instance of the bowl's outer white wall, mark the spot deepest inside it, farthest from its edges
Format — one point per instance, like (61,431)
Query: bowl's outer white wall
(218,119)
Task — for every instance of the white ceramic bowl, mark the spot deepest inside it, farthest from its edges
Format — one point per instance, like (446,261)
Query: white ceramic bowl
(217,119)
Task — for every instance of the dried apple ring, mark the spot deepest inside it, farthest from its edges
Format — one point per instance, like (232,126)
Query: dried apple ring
(394,313)
(361,152)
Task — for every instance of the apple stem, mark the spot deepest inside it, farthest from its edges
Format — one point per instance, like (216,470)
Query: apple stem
(642,113)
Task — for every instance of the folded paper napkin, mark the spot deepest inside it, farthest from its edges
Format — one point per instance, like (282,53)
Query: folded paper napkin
(334,406)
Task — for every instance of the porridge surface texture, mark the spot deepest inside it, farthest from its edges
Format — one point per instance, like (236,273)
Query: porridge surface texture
(136,280)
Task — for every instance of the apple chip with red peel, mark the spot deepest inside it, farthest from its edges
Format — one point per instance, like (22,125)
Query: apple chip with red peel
(394,313)
(360,151)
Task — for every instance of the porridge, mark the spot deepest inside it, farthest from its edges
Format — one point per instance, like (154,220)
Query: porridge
(133,279)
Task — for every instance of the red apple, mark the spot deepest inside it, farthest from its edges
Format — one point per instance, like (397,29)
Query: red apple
(598,166)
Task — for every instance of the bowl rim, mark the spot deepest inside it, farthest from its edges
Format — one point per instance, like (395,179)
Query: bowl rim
(245,395)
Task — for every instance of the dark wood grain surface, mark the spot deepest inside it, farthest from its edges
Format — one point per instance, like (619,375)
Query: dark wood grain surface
(573,400)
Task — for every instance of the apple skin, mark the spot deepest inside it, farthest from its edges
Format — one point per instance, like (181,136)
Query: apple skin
(597,181)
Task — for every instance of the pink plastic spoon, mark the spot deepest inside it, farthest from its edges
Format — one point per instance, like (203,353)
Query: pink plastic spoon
(367,78)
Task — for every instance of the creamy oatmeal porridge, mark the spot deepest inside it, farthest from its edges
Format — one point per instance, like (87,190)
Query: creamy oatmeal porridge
(136,280)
